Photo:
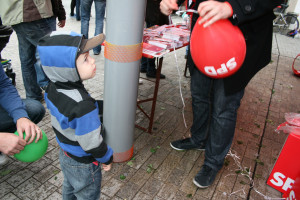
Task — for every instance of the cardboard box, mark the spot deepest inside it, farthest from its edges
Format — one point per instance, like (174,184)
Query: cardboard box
(287,166)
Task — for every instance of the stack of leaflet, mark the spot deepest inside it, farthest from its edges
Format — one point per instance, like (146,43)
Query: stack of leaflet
(165,37)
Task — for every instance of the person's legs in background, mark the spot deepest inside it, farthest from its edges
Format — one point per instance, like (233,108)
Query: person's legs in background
(28,36)
(221,125)
(100,6)
(144,65)
(151,69)
(42,79)
(78,14)
(35,110)
(72,6)
(214,119)
(85,16)
(28,59)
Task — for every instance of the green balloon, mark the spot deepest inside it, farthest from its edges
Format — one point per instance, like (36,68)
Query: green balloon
(33,151)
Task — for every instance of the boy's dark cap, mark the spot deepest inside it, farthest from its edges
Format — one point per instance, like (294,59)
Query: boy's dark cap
(88,44)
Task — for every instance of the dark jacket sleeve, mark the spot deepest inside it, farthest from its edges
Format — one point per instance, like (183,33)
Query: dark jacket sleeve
(249,10)
(58,9)
(10,99)
(153,14)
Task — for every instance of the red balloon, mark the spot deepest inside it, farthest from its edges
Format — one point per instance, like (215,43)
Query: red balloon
(218,50)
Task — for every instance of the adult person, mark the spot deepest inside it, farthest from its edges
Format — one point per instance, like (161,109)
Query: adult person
(215,101)
(31,21)
(153,17)
(100,6)
(75,3)
(17,114)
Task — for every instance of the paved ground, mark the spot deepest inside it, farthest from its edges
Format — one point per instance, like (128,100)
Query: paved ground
(158,172)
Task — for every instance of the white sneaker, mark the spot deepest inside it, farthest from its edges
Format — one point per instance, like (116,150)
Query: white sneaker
(140,81)
(3,159)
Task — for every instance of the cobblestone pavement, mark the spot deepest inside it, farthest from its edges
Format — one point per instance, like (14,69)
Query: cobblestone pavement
(156,171)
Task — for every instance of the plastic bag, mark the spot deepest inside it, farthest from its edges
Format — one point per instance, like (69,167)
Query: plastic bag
(292,124)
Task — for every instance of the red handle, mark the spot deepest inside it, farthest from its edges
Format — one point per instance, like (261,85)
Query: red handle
(296,72)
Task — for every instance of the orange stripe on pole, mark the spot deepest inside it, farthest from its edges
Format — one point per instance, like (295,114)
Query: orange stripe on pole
(123,156)
(123,53)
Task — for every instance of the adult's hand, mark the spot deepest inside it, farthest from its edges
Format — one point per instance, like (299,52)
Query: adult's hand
(211,11)
(167,6)
(30,128)
(61,23)
(11,144)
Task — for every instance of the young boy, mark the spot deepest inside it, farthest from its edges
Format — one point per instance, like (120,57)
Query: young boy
(74,113)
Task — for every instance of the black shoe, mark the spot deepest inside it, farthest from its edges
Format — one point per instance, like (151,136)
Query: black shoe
(186,144)
(205,177)
(153,75)
(143,70)
(72,14)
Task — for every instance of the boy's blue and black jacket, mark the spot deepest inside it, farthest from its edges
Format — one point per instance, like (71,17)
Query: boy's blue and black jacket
(74,113)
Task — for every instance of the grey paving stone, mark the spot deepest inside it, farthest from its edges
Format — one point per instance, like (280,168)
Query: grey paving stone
(111,187)
(42,192)
(167,191)
(143,196)
(54,196)
(128,191)
(27,187)
(151,187)
(35,167)
(46,173)
(10,196)
(126,172)
(57,179)
(20,177)
(5,188)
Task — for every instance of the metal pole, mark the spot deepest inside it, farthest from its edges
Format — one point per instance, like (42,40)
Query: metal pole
(123,51)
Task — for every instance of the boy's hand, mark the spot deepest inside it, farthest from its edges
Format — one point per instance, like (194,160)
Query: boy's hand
(106,167)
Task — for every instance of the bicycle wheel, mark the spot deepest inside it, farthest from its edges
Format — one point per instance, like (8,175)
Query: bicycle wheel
(289,22)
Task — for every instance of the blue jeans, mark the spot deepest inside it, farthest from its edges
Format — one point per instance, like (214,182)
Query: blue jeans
(29,33)
(214,117)
(35,111)
(78,9)
(42,79)
(81,181)
(85,18)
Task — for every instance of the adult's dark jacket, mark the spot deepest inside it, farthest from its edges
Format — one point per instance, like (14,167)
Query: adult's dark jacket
(153,14)
(58,9)
(255,19)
